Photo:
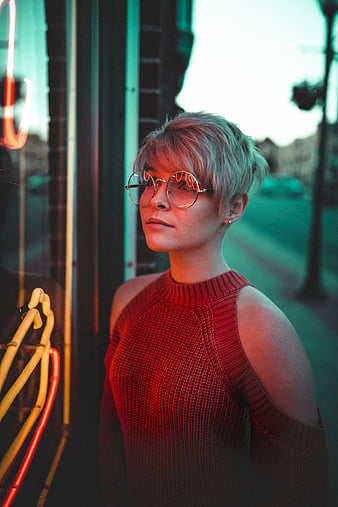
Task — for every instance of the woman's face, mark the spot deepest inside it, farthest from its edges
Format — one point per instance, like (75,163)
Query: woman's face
(170,229)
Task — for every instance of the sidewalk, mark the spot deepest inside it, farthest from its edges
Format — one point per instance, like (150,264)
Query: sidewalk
(279,273)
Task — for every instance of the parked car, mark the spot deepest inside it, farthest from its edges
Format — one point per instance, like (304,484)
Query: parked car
(282,186)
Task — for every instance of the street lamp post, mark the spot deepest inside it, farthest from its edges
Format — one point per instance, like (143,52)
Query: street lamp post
(312,287)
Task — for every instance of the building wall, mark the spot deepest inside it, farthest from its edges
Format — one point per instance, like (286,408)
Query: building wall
(300,158)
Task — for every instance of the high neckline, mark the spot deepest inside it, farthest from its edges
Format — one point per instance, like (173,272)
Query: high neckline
(195,294)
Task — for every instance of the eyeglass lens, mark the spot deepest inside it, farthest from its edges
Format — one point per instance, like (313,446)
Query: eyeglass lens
(182,188)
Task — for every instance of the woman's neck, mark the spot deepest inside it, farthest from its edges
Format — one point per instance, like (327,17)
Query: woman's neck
(191,269)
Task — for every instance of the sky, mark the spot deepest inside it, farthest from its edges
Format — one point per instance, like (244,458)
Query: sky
(246,57)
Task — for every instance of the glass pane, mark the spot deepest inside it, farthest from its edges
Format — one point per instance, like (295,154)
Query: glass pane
(23,134)
(24,251)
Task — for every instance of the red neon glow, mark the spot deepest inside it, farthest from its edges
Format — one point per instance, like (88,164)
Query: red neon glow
(54,382)
(11,139)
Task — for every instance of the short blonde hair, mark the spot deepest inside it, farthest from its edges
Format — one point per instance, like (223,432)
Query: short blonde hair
(211,147)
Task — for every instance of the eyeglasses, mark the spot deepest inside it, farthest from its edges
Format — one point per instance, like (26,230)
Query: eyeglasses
(182,188)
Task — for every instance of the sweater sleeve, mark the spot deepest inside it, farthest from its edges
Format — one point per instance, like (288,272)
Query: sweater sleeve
(111,446)
(289,460)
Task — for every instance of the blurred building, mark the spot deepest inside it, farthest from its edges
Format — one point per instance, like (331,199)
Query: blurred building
(269,150)
(300,158)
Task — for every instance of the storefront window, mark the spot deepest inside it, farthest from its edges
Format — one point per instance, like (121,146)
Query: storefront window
(23,136)
(30,355)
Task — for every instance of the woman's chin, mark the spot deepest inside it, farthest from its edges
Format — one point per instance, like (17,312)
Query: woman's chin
(155,247)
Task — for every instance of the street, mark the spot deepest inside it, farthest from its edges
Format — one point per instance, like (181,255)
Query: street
(288,221)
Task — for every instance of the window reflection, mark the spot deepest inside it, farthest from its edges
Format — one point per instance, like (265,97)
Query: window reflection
(24,238)
(23,136)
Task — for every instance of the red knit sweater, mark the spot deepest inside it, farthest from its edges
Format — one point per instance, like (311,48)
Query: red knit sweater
(185,420)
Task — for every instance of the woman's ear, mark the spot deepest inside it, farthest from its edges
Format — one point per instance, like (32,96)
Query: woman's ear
(236,208)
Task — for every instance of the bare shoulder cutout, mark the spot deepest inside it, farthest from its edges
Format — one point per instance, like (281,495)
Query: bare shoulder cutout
(277,355)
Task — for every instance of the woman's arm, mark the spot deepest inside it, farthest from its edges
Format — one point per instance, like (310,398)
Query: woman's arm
(277,356)
(288,442)
(113,475)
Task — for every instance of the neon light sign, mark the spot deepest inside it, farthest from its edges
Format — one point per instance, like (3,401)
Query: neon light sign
(11,139)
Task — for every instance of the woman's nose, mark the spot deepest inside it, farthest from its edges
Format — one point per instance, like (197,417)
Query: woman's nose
(160,197)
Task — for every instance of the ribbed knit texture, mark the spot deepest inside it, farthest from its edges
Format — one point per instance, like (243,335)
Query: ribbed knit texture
(184,419)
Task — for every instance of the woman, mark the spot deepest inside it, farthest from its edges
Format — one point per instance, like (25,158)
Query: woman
(208,398)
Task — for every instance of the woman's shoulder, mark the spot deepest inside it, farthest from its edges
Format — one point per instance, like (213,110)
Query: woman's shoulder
(128,291)
(263,320)
(276,354)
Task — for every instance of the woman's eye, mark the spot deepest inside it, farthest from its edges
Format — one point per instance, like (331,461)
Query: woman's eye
(182,185)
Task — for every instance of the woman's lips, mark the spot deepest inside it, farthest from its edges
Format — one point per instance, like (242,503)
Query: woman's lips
(158,224)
